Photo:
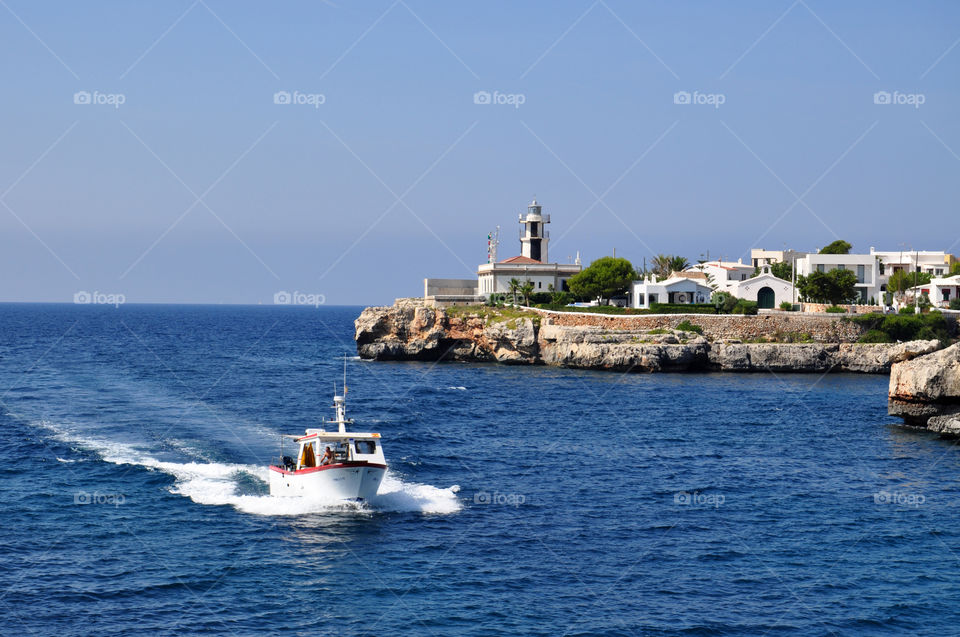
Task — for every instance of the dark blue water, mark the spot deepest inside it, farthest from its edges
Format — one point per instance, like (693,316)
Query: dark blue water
(519,500)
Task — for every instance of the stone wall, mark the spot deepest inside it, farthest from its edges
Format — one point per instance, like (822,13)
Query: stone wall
(851,309)
(826,328)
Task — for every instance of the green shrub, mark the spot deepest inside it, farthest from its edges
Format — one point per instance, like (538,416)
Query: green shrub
(955,304)
(744,306)
(658,330)
(874,336)
(682,308)
(786,305)
(908,309)
(836,309)
(687,326)
(904,327)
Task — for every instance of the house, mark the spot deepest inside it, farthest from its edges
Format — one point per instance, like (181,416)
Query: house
(865,266)
(934,263)
(940,291)
(723,275)
(760,257)
(531,264)
(676,289)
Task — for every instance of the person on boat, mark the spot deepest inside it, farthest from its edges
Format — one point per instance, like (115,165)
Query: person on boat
(327,457)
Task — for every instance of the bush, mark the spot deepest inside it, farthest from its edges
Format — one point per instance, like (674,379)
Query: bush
(902,327)
(907,310)
(541,297)
(955,304)
(786,305)
(744,307)
(724,302)
(682,308)
(836,309)
(874,336)
(687,326)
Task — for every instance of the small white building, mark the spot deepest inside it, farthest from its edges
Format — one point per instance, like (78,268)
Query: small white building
(864,266)
(940,291)
(767,290)
(677,289)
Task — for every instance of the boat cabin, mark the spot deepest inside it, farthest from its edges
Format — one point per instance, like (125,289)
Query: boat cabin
(344,448)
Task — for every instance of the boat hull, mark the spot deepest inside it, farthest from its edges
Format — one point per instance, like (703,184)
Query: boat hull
(346,481)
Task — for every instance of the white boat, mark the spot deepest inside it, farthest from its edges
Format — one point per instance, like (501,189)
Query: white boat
(337,465)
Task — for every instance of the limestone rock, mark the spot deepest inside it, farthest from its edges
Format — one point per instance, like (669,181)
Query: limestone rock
(774,357)
(877,358)
(926,390)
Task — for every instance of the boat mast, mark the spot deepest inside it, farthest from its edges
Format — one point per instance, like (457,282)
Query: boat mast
(339,402)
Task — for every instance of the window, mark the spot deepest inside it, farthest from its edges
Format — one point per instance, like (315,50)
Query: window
(860,273)
(366,446)
(819,267)
(841,267)
(539,284)
(640,299)
(653,298)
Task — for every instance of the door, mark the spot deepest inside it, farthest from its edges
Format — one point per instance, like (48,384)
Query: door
(766,298)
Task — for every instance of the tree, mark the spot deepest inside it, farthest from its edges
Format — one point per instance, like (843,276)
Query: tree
(834,287)
(781,270)
(604,278)
(901,281)
(837,247)
(526,290)
(664,264)
(514,288)
(955,269)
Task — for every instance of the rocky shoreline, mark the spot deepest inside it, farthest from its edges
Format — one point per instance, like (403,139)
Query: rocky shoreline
(408,331)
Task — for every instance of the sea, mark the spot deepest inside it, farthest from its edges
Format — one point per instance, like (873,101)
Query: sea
(135,441)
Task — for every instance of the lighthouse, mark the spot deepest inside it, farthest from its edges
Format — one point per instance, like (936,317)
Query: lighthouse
(533,235)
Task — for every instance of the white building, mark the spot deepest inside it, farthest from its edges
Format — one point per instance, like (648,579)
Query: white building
(767,290)
(864,266)
(724,275)
(531,265)
(677,289)
(760,257)
(936,264)
(940,291)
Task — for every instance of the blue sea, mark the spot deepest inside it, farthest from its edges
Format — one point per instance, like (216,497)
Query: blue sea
(519,500)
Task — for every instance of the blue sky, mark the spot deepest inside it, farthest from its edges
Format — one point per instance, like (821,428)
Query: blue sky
(199,188)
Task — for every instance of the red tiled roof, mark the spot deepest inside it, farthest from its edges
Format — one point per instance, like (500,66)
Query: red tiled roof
(519,260)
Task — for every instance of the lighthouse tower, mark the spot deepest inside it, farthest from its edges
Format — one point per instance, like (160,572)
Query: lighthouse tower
(533,236)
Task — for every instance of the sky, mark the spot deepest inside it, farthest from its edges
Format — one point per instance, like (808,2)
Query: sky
(216,151)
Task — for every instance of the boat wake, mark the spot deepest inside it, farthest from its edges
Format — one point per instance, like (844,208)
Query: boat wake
(244,486)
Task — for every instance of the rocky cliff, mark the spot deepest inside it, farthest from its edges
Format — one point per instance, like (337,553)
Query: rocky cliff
(408,331)
(926,391)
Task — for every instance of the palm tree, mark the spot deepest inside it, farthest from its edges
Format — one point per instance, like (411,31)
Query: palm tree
(678,264)
(526,290)
(664,264)
(514,288)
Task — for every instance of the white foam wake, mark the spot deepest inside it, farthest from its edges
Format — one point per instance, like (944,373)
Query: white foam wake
(215,483)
